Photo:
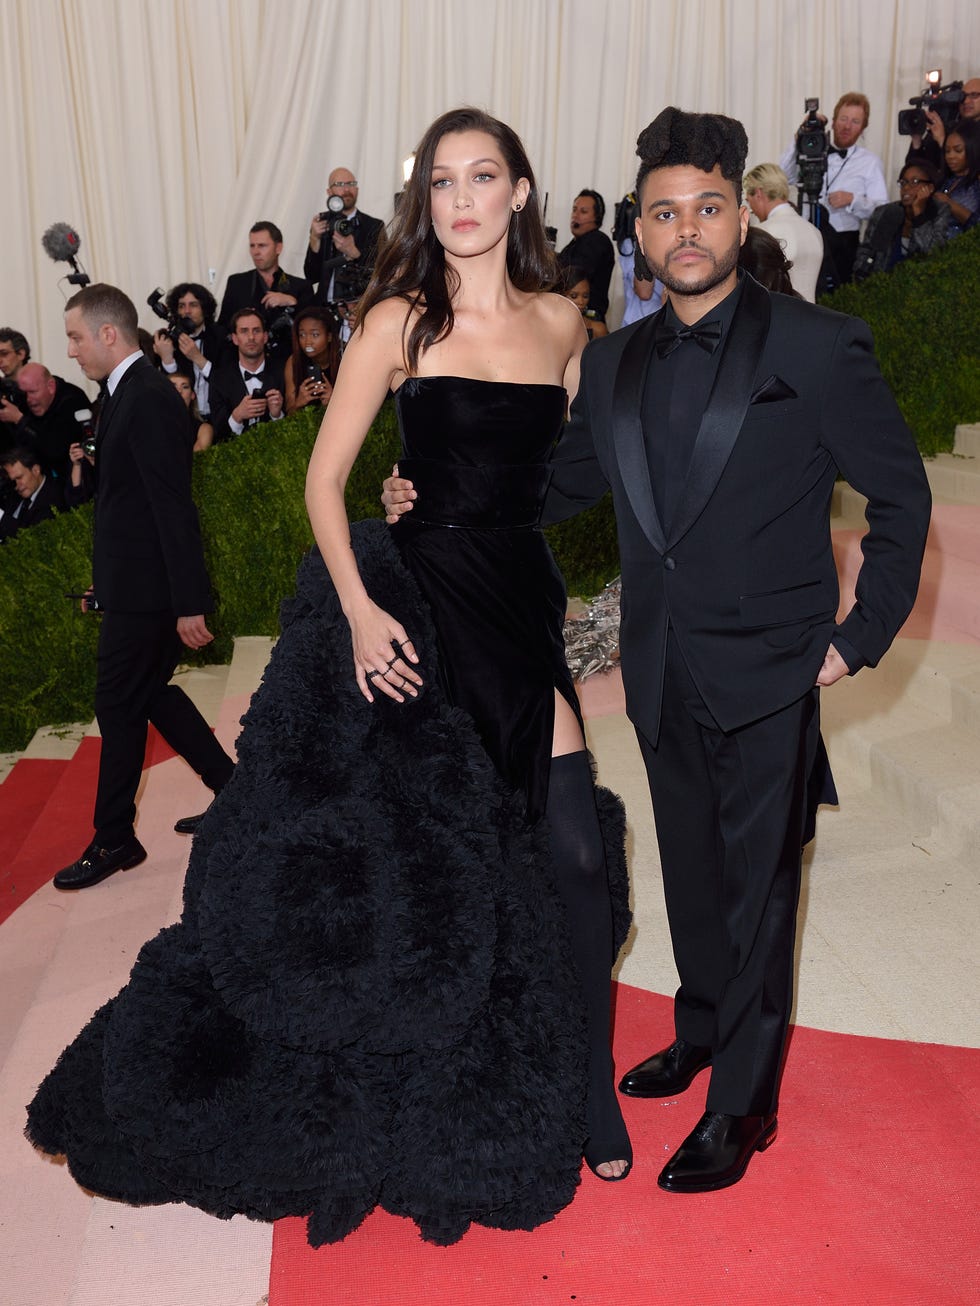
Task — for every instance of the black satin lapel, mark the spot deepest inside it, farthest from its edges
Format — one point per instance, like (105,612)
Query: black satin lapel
(727,405)
(631,453)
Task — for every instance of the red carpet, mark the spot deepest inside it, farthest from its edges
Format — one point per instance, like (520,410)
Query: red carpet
(868,1198)
(46,816)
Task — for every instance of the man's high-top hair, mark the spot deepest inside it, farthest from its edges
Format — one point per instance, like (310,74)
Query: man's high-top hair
(695,140)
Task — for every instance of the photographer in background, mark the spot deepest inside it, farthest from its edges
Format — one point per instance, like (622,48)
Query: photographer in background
(249,388)
(49,425)
(913,224)
(854,182)
(642,297)
(38,496)
(191,344)
(266,287)
(929,144)
(343,247)
(14,353)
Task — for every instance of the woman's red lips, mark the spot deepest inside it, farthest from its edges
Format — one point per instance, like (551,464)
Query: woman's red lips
(465,224)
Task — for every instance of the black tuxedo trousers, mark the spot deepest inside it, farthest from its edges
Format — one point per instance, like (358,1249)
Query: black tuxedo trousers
(138,653)
(730,810)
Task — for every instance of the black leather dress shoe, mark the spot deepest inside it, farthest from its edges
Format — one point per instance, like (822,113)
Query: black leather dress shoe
(717,1152)
(666,1073)
(97,863)
(189,824)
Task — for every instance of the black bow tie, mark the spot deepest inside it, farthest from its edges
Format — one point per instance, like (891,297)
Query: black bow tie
(666,339)
(253,376)
(836,149)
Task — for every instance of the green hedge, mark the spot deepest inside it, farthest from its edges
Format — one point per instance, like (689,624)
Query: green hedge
(927,336)
(249,494)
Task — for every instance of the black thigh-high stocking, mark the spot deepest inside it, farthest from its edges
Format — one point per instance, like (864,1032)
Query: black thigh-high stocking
(580,868)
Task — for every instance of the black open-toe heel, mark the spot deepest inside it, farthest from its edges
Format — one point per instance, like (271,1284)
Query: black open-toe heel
(597,1152)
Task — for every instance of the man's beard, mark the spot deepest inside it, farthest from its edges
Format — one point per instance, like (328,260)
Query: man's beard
(719,271)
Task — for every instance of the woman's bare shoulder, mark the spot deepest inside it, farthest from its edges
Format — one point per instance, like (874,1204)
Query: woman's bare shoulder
(388,318)
(559,313)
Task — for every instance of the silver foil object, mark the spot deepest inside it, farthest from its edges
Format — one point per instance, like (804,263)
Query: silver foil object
(592,635)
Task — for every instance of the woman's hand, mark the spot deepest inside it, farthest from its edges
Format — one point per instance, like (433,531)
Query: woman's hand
(384,656)
(313,392)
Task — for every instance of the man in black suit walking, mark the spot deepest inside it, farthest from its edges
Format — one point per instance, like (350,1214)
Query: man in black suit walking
(720,424)
(148,575)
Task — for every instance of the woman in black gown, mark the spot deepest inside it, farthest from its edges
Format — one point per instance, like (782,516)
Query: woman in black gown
(390,982)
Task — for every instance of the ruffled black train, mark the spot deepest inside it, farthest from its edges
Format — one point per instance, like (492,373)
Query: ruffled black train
(369,997)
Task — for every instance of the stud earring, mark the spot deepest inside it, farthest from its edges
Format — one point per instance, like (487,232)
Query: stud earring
(518,207)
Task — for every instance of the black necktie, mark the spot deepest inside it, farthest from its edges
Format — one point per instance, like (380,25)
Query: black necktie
(836,149)
(706,334)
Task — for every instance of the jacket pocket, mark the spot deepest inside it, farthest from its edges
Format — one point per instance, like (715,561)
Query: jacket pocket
(784,607)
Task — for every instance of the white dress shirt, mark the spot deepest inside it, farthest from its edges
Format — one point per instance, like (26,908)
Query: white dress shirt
(859,172)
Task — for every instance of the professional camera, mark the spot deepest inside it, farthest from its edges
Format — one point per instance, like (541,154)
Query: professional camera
(331,214)
(944,100)
(812,145)
(9,388)
(176,326)
(280,331)
(624,222)
(86,436)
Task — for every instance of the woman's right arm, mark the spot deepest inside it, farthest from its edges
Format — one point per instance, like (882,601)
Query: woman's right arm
(371,362)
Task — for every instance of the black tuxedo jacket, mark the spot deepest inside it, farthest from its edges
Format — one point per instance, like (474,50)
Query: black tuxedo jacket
(228,390)
(744,574)
(47,501)
(319,265)
(147,553)
(245,290)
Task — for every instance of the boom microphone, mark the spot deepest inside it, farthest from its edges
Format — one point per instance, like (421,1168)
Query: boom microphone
(61,243)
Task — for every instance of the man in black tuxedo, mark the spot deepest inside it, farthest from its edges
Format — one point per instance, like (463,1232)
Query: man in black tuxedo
(148,575)
(267,287)
(36,495)
(720,425)
(198,346)
(343,247)
(249,388)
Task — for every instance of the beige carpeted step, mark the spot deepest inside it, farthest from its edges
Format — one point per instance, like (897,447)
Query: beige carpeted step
(910,731)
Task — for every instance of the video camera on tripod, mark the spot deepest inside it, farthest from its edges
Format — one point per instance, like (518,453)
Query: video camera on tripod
(812,148)
(943,100)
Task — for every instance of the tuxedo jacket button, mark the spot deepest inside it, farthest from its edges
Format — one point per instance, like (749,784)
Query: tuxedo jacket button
(669,563)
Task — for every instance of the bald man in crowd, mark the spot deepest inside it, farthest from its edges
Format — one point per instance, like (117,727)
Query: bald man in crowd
(343,244)
(49,425)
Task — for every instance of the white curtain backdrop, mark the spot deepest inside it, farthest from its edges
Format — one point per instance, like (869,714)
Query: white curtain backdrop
(162,129)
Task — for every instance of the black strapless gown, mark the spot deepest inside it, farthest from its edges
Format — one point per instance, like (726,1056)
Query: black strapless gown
(369,997)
